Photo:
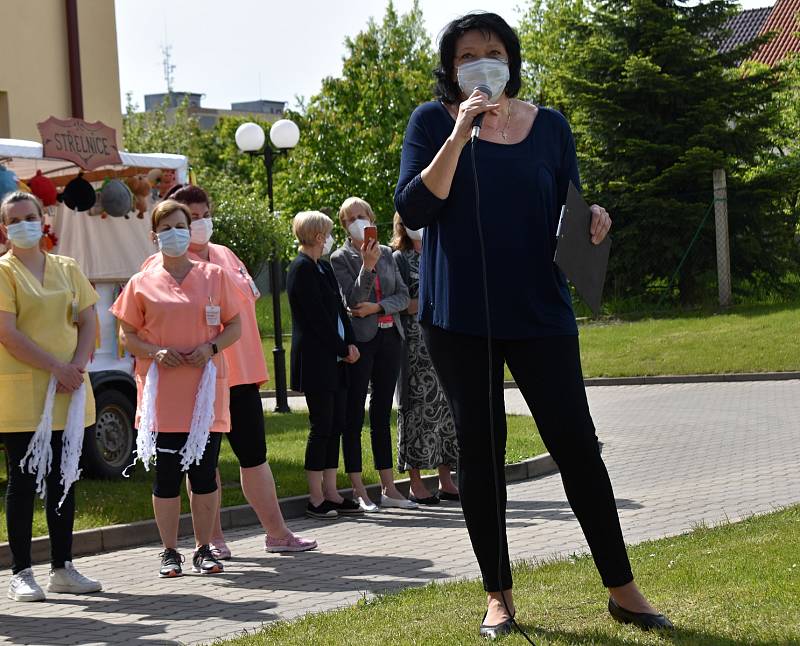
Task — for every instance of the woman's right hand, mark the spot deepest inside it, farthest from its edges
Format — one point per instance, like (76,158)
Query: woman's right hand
(69,377)
(370,254)
(168,357)
(477,103)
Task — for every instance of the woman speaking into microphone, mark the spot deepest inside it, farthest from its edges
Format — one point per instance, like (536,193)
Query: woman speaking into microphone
(524,159)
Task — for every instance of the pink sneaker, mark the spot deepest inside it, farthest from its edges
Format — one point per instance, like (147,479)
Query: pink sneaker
(291,543)
(220,550)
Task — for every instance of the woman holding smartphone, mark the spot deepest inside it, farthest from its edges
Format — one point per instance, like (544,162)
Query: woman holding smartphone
(375,294)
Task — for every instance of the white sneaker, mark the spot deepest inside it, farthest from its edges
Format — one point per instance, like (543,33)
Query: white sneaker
(69,580)
(367,505)
(23,587)
(399,503)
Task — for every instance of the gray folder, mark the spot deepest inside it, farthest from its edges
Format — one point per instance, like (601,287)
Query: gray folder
(583,262)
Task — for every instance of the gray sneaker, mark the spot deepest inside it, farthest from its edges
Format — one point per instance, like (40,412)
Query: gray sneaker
(67,579)
(23,587)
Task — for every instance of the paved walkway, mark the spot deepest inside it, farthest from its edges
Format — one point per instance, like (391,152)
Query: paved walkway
(678,455)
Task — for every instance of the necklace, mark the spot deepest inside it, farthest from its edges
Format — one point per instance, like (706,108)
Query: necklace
(508,120)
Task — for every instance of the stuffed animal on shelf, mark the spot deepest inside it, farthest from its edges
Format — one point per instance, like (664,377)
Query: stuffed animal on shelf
(140,188)
(116,198)
(78,195)
(8,181)
(44,188)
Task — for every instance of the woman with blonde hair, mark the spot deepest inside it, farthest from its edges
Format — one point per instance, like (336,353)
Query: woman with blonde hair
(426,435)
(375,294)
(47,335)
(322,345)
(176,318)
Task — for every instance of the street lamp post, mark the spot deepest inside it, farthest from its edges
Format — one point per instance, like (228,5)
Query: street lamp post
(284,135)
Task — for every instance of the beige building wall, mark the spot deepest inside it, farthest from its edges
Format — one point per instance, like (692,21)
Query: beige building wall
(34,65)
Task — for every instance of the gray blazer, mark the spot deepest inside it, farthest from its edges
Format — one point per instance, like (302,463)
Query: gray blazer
(358,287)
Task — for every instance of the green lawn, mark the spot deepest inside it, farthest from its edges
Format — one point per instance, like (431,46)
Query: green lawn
(734,584)
(104,502)
(748,338)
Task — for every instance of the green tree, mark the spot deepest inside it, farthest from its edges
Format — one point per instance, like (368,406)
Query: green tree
(236,183)
(548,31)
(351,132)
(655,109)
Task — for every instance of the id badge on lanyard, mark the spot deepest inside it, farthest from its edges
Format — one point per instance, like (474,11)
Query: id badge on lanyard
(213,314)
(250,282)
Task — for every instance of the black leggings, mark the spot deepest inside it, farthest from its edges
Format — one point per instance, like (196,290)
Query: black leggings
(378,364)
(247,437)
(548,373)
(20,496)
(202,477)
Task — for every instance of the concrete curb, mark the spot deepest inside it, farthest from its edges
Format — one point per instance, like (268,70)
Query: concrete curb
(114,537)
(647,380)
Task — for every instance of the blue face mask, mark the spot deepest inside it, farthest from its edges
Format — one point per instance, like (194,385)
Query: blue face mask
(25,235)
(173,242)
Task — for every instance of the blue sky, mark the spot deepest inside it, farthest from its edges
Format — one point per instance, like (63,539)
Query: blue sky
(242,50)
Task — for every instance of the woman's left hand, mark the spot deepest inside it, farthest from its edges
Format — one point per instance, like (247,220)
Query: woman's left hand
(200,356)
(601,223)
(365,309)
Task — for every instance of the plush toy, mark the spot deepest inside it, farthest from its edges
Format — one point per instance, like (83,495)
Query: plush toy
(22,186)
(140,188)
(154,177)
(8,181)
(78,195)
(43,188)
(49,239)
(116,198)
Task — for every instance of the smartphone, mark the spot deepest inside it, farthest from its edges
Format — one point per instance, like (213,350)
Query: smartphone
(370,233)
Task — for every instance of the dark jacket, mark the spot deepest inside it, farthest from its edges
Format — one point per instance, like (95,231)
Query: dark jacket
(316,302)
(358,286)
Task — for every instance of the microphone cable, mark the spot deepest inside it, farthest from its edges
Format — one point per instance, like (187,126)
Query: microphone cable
(491,392)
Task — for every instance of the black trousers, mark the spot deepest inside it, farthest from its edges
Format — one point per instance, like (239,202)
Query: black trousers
(548,374)
(379,364)
(326,419)
(20,497)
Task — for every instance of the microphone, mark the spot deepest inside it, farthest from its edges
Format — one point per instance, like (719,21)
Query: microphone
(477,122)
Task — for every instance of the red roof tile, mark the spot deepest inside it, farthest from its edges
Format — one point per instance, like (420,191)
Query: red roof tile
(783,20)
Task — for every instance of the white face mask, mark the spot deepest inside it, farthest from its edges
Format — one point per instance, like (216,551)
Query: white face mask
(202,230)
(415,234)
(25,235)
(328,245)
(490,72)
(173,242)
(356,229)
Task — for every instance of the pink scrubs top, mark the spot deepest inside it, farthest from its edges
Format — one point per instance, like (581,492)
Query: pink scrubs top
(173,315)
(245,357)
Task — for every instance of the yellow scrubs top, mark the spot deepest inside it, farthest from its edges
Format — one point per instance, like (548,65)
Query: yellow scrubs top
(45,315)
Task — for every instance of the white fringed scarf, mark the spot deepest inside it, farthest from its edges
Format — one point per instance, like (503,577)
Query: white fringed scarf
(39,456)
(202,419)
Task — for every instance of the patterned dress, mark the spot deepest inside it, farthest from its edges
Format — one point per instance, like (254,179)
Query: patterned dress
(426,435)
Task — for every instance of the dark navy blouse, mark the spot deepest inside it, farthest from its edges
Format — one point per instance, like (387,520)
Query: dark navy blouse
(522,188)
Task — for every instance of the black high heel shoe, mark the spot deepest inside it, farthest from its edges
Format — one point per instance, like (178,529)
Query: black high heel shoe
(643,620)
(497,630)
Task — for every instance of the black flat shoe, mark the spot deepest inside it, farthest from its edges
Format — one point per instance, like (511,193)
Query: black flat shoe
(643,620)
(430,500)
(498,630)
(446,495)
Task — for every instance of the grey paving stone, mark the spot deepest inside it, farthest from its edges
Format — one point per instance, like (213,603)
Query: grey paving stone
(678,455)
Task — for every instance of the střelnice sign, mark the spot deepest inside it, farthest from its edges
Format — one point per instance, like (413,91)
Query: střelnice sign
(88,145)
